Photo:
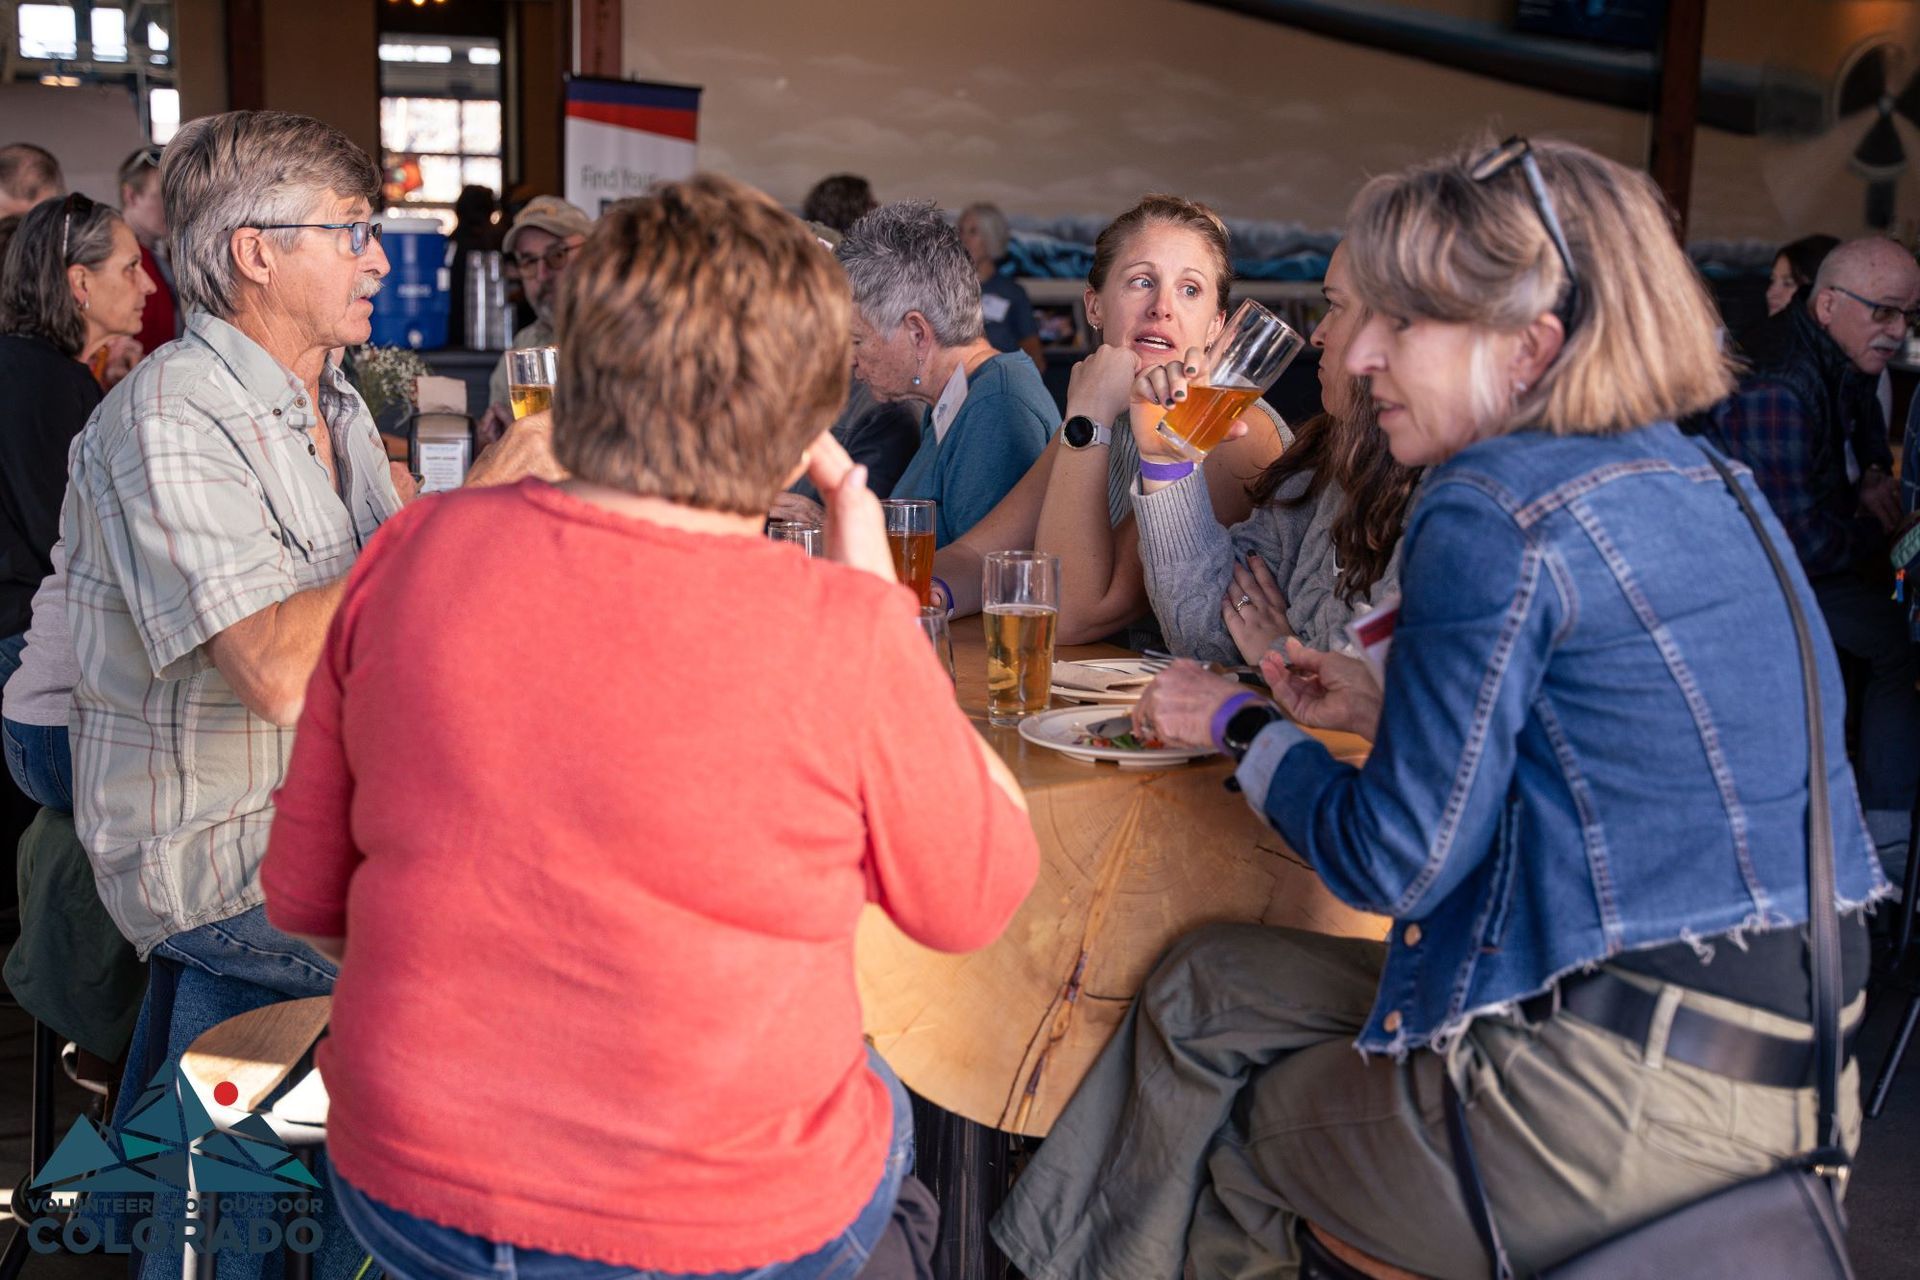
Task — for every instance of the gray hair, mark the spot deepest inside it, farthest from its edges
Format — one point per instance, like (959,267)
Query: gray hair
(36,298)
(906,257)
(249,169)
(993,226)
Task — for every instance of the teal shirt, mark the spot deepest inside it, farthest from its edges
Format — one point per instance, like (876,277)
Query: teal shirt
(999,432)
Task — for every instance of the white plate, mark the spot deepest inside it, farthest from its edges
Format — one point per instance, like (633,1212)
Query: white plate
(1060,731)
(1111,697)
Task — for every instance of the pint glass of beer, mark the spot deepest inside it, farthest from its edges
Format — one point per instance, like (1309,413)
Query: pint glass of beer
(1020,592)
(530,377)
(910,538)
(1246,360)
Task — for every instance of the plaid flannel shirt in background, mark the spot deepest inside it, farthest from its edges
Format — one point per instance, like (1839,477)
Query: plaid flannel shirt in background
(1764,425)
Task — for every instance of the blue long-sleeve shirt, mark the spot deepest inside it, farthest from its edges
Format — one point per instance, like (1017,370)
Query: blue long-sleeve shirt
(999,432)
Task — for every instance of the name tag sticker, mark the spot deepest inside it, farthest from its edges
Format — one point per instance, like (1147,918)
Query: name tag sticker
(994,307)
(1372,635)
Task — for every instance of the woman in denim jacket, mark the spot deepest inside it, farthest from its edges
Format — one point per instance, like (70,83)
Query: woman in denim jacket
(1585,809)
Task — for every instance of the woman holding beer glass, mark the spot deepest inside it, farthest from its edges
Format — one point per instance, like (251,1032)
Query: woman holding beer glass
(1322,544)
(1587,801)
(1158,287)
(660,1036)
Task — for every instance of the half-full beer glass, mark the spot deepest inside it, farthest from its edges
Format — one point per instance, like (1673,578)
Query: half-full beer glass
(531,372)
(1020,591)
(910,539)
(1246,360)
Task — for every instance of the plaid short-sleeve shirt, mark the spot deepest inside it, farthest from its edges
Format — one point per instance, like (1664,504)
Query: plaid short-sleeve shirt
(197,500)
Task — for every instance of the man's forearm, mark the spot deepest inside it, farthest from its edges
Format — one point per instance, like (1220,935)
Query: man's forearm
(268,656)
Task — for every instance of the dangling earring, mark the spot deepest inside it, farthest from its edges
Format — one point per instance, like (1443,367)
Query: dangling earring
(85,303)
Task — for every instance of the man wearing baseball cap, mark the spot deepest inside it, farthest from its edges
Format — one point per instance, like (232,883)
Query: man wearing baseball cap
(537,247)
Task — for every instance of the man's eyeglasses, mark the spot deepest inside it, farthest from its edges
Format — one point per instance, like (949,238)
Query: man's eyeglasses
(523,264)
(363,233)
(75,203)
(1516,150)
(1884,313)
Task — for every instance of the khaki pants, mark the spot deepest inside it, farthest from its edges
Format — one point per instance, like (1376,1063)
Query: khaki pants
(1232,1101)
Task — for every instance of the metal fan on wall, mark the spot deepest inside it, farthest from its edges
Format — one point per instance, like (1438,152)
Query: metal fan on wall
(1859,131)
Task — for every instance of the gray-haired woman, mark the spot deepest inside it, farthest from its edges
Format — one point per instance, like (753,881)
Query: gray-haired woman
(918,337)
(72,283)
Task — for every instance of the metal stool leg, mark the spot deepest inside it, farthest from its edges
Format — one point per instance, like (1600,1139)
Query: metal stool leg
(46,1058)
(1902,956)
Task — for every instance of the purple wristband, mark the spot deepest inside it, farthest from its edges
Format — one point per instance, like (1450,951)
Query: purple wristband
(1165,472)
(1228,710)
(946,591)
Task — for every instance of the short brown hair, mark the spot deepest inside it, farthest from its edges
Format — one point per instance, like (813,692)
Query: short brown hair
(704,343)
(1430,242)
(1166,210)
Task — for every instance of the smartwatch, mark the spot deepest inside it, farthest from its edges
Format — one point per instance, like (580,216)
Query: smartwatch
(1082,432)
(1244,724)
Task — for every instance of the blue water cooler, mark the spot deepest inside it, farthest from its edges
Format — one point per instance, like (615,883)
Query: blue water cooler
(411,309)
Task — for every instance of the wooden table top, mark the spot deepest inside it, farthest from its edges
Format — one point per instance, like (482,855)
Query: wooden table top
(1130,860)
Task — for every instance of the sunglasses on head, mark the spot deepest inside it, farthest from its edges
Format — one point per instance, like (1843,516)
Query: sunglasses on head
(75,203)
(1518,151)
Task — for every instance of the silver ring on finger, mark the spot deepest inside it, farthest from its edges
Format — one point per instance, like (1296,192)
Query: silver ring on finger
(1242,603)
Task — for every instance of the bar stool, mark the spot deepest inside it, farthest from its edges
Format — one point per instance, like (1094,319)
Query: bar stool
(1324,1256)
(256,1053)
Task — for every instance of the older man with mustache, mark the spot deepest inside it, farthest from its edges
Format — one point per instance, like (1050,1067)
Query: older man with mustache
(217,499)
(1807,422)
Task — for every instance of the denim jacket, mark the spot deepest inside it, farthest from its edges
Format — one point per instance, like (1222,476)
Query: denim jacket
(1593,738)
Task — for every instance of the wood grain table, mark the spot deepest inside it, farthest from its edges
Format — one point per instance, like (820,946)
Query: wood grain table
(1130,861)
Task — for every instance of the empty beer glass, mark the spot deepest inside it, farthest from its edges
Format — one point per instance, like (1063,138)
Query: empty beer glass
(1020,591)
(933,624)
(531,372)
(806,535)
(1246,360)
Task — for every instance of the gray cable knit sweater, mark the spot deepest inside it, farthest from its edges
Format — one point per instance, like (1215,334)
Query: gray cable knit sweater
(1189,559)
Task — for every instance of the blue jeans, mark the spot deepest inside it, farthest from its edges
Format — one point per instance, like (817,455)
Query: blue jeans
(410,1248)
(196,980)
(40,763)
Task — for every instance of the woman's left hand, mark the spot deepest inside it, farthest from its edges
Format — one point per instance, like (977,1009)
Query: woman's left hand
(1255,610)
(1178,706)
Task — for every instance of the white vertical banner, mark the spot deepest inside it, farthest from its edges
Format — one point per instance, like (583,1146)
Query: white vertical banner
(625,136)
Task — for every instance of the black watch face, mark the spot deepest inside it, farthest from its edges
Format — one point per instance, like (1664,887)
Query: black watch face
(1079,432)
(1246,723)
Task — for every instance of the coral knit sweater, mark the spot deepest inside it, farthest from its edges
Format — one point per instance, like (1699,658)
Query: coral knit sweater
(596,805)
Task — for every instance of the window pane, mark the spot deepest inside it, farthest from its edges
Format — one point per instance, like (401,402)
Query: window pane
(164,108)
(48,31)
(157,37)
(420,124)
(483,171)
(481,56)
(110,35)
(480,128)
(435,213)
(439,179)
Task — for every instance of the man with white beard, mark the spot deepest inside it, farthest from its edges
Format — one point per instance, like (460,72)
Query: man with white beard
(1807,421)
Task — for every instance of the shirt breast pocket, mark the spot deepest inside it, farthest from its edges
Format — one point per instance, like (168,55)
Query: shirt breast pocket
(321,554)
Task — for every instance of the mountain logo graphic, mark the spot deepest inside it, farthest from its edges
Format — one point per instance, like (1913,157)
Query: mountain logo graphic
(168,1133)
